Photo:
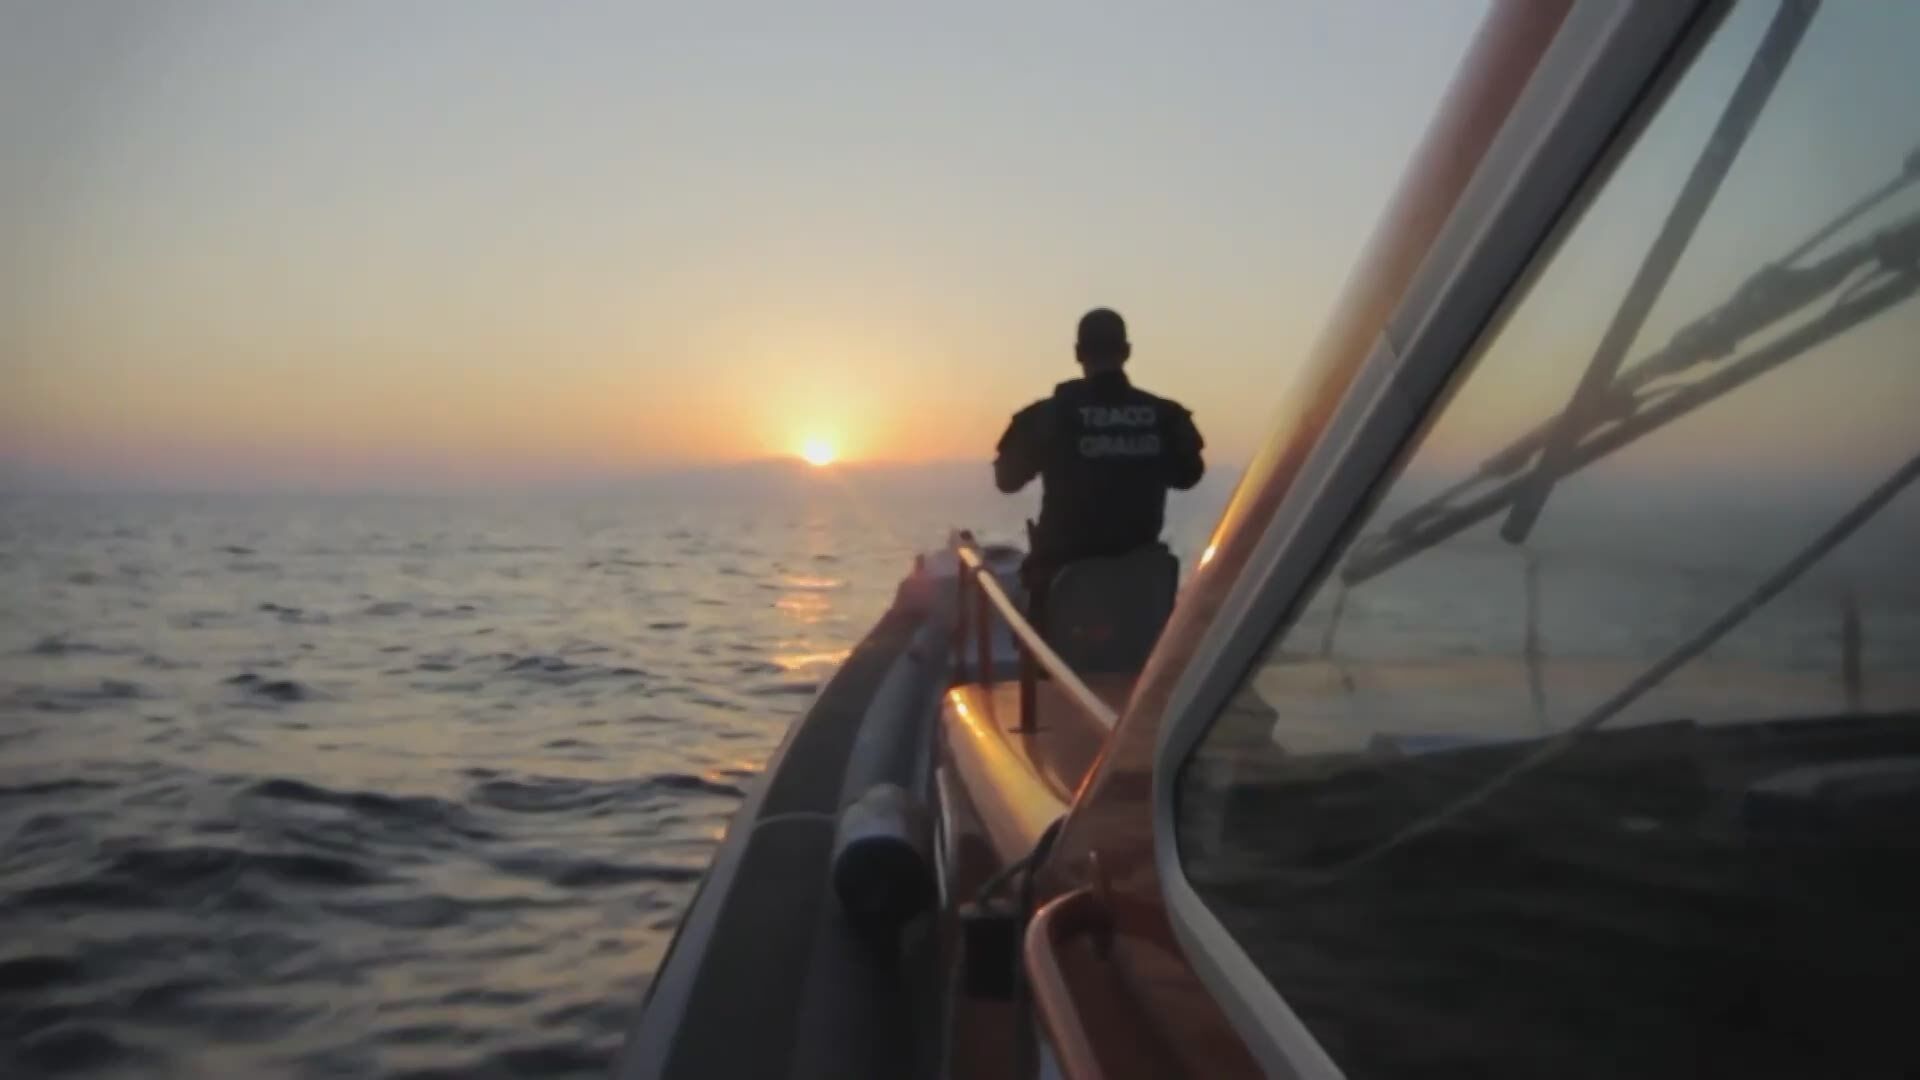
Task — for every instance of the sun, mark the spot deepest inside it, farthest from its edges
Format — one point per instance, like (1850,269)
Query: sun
(817,452)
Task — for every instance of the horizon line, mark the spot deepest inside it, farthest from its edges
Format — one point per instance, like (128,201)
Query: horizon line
(787,468)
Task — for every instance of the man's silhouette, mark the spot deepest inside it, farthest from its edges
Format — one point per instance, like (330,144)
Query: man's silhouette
(1106,453)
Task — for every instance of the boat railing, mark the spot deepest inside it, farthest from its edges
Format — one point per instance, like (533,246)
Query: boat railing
(979,597)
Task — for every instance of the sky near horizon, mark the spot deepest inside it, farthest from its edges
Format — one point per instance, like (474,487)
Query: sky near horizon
(358,244)
(351,241)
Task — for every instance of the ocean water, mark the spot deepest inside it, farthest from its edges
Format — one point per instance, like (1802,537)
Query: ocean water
(419,786)
(395,786)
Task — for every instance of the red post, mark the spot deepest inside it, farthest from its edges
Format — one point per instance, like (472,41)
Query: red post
(984,629)
(960,621)
(1029,692)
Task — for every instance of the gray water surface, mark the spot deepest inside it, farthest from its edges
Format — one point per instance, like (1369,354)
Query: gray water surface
(390,786)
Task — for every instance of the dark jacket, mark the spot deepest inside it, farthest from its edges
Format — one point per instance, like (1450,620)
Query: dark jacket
(1106,453)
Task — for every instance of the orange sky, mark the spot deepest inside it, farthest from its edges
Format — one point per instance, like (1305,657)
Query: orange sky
(353,242)
(349,244)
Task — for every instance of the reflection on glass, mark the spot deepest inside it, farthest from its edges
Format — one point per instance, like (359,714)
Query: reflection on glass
(1595,753)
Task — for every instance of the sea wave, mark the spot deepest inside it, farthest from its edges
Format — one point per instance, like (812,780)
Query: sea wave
(383,788)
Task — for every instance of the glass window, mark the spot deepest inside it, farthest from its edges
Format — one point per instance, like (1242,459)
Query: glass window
(1631,788)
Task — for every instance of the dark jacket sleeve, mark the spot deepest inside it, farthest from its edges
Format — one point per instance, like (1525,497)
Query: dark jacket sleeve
(1022,448)
(1185,466)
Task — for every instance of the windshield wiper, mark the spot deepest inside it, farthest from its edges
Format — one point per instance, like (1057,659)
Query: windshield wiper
(1884,270)
(1703,183)
(1872,275)
(1613,408)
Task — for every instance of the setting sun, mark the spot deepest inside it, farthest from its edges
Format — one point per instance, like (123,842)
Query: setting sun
(817,452)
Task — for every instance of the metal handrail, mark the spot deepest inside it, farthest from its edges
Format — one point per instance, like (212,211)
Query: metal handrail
(1065,917)
(1035,654)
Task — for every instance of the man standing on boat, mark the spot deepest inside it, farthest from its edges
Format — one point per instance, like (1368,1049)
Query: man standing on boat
(1106,453)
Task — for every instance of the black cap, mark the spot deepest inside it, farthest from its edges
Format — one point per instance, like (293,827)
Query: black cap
(1102,329)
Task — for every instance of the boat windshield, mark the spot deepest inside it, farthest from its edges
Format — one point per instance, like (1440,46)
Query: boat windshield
(1596,750)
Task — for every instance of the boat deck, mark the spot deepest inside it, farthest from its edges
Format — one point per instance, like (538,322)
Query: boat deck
(1064,742)
(765,978)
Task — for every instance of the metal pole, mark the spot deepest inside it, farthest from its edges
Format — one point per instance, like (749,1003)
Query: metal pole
(1850,647)
(1333,620)
(1536,685)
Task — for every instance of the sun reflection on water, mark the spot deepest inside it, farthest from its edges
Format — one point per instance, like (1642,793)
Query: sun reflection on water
(798,661)
(810,583)
(808,608)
